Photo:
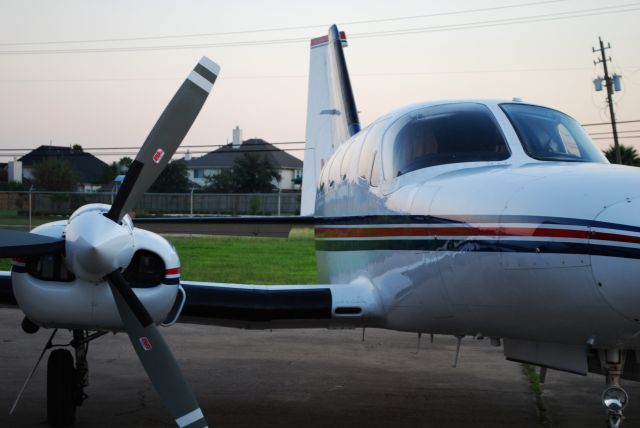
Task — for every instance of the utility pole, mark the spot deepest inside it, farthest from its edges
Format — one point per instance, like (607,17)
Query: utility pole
(610,90)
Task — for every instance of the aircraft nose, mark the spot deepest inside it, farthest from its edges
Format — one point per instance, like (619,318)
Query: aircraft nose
(615,255)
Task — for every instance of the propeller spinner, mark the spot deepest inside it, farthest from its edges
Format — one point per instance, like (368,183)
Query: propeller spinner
(100,244)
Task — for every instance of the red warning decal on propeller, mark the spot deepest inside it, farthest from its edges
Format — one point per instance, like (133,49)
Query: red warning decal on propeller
(158,155)
(146,345)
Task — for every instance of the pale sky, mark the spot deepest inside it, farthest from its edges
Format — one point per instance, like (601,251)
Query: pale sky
(112,98)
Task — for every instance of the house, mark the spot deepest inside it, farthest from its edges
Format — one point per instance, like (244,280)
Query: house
(88,167)
(289,167)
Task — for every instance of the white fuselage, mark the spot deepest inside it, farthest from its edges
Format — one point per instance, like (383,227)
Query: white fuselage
(517,248)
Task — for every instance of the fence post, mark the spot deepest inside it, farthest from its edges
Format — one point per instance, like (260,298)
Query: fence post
(279,194)
(30,190)
(191,202)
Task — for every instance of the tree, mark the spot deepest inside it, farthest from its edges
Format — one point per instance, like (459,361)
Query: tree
(112,170)
(123,164)
(224,182)
(77,148)
(251,173)
(54,174)
(628,154)
(173,179)
(109,173)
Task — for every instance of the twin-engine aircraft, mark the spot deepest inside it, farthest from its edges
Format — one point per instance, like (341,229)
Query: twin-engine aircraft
(482,218)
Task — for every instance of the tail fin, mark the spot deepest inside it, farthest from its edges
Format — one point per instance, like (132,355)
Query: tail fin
(332,116)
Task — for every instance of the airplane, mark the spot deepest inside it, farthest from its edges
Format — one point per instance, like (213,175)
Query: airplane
(497,219)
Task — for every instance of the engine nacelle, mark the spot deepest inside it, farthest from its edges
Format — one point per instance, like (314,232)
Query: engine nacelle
(52,296)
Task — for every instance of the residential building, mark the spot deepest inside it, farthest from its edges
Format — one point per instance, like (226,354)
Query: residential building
(88,167)
(289,167)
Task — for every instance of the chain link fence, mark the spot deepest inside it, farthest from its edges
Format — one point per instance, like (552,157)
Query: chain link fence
(40,203)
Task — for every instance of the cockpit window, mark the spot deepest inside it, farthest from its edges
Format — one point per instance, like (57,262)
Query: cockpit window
(548,134)
(449,133)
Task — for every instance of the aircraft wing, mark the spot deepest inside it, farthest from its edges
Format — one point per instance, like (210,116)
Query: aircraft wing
(6,292)
(274,226)
(266,306)
(281,306)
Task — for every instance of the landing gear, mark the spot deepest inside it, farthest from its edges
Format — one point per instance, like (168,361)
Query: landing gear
(66,381)
(614,398)
(61,394)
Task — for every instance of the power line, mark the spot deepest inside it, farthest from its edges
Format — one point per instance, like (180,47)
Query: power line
(453,27)
(303,76)
(179,152)
(289,28)
(611,132)
(609,123)
(629,7)
(619,137)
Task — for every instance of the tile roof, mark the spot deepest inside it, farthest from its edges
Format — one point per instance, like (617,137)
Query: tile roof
(224,157)
(88,167)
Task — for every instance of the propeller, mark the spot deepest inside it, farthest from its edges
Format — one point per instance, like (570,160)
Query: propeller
(162,142)
(155,355)
(14,243)
(98,245)
(165,137)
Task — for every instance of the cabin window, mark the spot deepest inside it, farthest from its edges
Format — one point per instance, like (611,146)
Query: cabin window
(443,134)
(548,134)
(370,145)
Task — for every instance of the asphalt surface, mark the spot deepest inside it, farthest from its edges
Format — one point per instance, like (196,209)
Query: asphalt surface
(306,378)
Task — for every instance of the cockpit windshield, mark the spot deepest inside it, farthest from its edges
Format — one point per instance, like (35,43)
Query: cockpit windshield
(442,134)
(548,134)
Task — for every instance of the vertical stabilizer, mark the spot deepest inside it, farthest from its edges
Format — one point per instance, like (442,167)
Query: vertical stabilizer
(332,116)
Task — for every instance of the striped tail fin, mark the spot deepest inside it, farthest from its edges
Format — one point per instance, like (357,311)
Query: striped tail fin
(332,116)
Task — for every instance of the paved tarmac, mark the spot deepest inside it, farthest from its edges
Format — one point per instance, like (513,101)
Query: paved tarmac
(305,378)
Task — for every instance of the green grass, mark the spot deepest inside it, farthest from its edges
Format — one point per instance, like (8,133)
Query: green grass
(537,388)
(245,260)
(248,260)
(10,218)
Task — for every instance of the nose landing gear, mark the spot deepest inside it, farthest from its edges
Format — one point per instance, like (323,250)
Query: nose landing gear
(66,380)
(614,398)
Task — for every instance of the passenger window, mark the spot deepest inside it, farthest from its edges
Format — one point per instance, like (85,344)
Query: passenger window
(375,171)
(449,133)
(371,142)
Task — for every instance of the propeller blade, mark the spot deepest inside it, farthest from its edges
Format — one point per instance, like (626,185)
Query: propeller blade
(165,137)
(155,355)
(14,243)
